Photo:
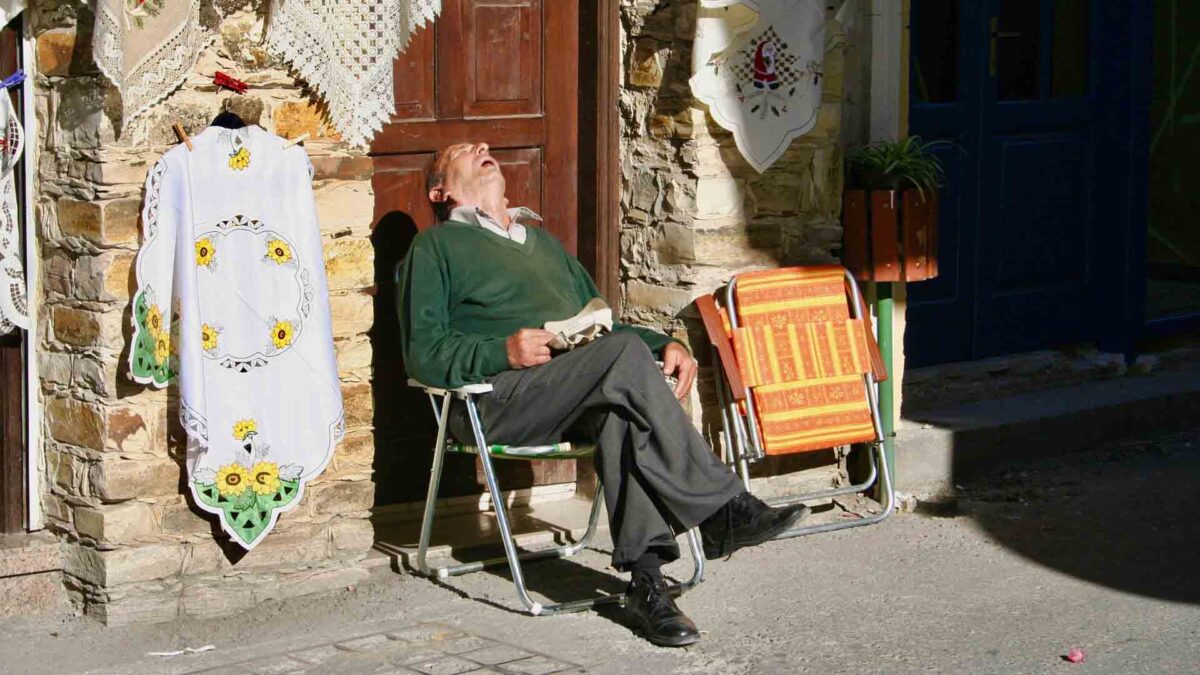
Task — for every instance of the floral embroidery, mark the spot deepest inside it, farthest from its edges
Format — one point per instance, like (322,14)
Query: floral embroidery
(239,160)
(243,428)
(282,334)
(265,478)
(205,252)
(279,251)
(208,338)
(232,480)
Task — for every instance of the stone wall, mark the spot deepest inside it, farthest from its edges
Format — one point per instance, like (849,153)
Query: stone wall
(693,211)
(134,549)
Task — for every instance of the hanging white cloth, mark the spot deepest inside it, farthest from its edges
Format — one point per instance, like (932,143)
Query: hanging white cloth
(147,48)
(758,67)
(232,296)
(14,303)
(9,9)
(345,50)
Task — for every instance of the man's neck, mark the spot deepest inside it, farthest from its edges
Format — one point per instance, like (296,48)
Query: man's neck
(496,208)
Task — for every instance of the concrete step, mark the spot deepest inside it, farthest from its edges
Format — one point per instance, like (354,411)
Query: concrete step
(938,447)
(29,574)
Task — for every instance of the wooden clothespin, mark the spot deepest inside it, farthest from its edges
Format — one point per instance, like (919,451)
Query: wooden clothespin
(295,141)
(222,80)
(183,137)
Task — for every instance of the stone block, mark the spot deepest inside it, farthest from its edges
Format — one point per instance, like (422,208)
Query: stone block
(359,405)
(670,301)
(353,354)
(343,497)
(296,118)
(117,523)
(718,197)
(345,206)
(352,313)
(55,52)
(105,277)
(105,223)
(352,536)
(646,66)
(85,328)
(350,263)
(115,480)
(75,422)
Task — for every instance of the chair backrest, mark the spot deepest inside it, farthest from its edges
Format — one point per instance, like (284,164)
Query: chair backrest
(805,358)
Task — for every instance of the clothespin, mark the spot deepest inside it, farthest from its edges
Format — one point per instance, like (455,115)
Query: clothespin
(295,141)
(222,80)
(182,136)
(13,80)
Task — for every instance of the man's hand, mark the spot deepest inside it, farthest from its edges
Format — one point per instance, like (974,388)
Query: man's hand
(679,363)
(528,347)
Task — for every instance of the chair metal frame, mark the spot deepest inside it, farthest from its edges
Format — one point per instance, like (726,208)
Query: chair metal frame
(512,556)
(743,442)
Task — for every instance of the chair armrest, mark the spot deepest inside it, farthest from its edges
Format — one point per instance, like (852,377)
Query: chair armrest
(465,390)
(715,329)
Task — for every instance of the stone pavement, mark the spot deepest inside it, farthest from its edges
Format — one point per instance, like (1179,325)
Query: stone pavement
(1096,551)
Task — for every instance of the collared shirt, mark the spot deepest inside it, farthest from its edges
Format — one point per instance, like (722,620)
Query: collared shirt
(518,218)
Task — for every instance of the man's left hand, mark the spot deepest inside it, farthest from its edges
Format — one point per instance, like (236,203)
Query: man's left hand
(679,363)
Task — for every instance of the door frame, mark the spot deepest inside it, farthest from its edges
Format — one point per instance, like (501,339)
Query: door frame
(599,166)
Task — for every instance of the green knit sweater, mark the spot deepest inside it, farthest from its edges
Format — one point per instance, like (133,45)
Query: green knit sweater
(462,290)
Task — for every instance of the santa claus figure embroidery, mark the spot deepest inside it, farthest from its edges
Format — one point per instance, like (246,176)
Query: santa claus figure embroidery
(765,76)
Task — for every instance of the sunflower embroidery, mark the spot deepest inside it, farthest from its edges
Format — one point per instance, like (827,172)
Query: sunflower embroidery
(205,252)
(282,334)
(154,320)
(208,338)
(239,160)
(162,348)
(264,478)
(243,428)
(232,480)
(279,251)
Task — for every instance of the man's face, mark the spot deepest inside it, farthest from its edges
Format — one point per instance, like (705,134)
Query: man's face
(470,172)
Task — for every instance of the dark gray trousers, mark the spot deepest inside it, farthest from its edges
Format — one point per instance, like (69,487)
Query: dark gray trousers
(658,473)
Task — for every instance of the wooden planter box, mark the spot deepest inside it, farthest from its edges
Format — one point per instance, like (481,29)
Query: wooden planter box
(890,235)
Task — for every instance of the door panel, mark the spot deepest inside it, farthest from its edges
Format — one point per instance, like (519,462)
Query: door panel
(1022,219)
(504,72)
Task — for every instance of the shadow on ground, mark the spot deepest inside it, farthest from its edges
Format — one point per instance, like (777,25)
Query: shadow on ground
(1121,516)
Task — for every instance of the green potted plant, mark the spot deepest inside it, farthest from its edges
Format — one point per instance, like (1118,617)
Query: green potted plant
(889,210)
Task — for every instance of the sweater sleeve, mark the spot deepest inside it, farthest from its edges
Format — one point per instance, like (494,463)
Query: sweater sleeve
(587,290)
(434,353)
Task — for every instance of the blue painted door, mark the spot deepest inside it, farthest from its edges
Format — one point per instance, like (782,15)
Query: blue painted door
(1029,93)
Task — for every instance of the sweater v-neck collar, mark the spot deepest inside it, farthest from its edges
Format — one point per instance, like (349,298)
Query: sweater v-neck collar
(526,247)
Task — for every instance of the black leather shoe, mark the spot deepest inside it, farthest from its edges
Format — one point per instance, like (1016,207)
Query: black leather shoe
(746,521)
(650,604)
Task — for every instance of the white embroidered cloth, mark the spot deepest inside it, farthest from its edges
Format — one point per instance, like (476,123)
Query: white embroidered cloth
(14,304)
(758,67)
(345,50)
(9,9)
(147,48)
(231,277)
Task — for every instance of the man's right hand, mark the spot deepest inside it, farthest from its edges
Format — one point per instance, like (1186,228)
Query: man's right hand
(528,347)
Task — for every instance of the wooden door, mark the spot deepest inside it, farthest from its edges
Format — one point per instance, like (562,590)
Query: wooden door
(504,72)
(12,348)
(1032,94)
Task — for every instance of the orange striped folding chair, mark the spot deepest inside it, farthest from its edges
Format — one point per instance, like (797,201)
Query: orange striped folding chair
(798,372)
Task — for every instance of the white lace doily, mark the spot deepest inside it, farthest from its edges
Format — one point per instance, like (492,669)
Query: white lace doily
(345,50)
(14,305)
(147,48)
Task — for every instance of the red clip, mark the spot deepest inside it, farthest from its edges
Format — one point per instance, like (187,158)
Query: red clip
(223,80)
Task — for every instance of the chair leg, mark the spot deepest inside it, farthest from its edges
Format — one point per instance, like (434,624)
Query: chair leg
(435,479)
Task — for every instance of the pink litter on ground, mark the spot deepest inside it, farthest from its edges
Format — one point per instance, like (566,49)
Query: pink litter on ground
(1076,655)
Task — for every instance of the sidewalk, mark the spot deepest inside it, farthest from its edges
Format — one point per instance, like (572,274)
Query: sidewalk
(1096,551)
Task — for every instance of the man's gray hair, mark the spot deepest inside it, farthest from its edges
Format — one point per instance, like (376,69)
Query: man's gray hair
(435,179)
